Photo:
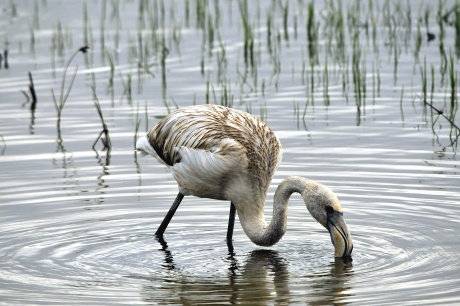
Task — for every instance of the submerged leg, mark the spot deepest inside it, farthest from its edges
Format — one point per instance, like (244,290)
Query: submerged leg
(231,224)
(160,231)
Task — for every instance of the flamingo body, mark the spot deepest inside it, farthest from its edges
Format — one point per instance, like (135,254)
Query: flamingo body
(226,154)
(211,149)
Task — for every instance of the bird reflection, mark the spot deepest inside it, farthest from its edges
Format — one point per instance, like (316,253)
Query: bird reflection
(169,260)
(263,279)
(332,286)
(260,277)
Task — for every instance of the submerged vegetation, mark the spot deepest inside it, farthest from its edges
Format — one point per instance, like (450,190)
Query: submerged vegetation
(241,52)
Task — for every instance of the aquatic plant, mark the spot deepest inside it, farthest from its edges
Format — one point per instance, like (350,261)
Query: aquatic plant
(33,94)
(248,48)
(312,33)
(137,125)
(5,59)
(104,134)
(64,94)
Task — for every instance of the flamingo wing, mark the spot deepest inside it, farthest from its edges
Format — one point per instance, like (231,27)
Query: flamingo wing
(212,145)
(208,173)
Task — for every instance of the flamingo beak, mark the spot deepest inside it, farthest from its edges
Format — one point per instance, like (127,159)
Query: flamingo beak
(340,236)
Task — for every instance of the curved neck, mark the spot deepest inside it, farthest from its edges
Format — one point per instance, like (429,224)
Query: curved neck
(252,217)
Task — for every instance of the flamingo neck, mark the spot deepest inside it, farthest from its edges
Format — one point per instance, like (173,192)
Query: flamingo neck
(252,216)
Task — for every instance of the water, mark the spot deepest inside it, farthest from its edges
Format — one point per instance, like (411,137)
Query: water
(78,224)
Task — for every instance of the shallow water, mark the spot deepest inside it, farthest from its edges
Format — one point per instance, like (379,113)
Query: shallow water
(78,224)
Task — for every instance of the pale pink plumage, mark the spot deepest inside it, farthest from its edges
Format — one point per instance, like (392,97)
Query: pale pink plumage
(226,154)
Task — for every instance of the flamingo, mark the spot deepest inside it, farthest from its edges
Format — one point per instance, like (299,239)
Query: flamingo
(226,154)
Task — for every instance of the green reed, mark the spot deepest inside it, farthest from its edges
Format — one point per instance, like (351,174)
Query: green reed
(263,111)
(456,13)
(248,49)
(137,125)
(36,16)
(132,47)
(32,40)
(396,52)
(358,76)
(127,88)
(64,94)
(373,83)
(167,105)
(423,81)
(453,78)
(432,84)
(269,25)
(327,99)
(334,31)
(4,59)
(374,26)
(102,29)
(226,97)
(364,80)
(207,93)
(140,43)
(285,21)
(345,79)
(146,118)
(401,109)
(176,37)
(221,61)
(187,13)
(335,37)
(33,94)
(14,10)
(307,103)
(104,134)
(275,60)
(210,34)
(249,107)
(163,55)
(304,69)
(255,82)
(88,39)
(312,33)
(111,79)
(301,117)
(296,113)
(418,41)
(201,14)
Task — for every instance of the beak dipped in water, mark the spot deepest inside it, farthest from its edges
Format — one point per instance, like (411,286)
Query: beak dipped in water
(340,236)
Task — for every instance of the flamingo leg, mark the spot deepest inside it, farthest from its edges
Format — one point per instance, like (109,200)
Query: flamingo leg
(231,224)
(160,231)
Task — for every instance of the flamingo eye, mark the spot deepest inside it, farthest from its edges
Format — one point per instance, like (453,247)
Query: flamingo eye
(329,209)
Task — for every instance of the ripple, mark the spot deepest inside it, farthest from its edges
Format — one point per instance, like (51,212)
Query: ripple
(78,223)
(109,248)
(84,237)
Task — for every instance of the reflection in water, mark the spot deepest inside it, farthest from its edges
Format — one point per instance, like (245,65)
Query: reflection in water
(332,286)
(104,163)
(263,277)
(4,145)
(32,122)
(73,226)
(169,260)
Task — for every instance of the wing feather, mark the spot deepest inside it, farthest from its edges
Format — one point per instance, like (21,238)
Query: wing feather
(197,132)
(207,173)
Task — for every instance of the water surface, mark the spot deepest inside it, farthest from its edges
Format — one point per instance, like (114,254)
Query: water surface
(78,224)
